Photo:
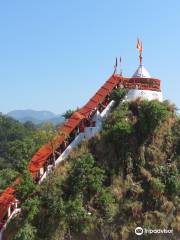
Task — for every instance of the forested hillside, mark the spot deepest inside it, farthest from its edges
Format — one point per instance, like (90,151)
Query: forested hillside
(126,176)
(18,143)
(15,141)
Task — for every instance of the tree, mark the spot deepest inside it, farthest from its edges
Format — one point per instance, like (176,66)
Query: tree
(20,150)
(29,126)
(16,143)
(157,187)
(86,174)
(150,115)
(76,214)
(30,208)
(118,95)
(68,113)
(7,176)
(27,185)
(27,232)
(11,129)
(106,204)
(118,131)
(171,178)
(176,135)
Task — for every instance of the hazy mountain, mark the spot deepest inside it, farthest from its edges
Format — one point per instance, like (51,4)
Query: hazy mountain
(57,119)
(37,117)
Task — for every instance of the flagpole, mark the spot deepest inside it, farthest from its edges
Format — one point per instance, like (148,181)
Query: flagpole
(140,56)
(115,66)
(140,59)
(120,60)
(139,46)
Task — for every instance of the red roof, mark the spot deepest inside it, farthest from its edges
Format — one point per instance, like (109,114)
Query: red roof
(99,96)
(72,123)
(6,198)
(40,158)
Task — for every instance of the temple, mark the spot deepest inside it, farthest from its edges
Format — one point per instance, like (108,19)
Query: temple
(83,124)
(144,86)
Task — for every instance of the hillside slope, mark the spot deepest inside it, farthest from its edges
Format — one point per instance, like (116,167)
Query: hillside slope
(127,176)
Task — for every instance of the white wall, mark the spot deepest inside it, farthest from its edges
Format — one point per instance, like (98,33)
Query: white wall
(144,94)
(71,146)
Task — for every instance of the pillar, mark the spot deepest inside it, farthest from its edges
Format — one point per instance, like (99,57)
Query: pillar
(9,211)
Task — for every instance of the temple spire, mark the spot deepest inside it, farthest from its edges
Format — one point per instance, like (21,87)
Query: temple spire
(141,72)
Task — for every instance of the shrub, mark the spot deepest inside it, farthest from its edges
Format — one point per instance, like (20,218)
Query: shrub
(106,204)
(85,175)
(150,115)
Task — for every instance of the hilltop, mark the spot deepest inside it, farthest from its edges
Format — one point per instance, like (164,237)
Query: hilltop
(36,117)
(128,175)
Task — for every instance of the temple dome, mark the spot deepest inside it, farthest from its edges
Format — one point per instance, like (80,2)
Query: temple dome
(141,72)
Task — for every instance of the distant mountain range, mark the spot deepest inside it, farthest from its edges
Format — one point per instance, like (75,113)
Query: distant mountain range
(36,117)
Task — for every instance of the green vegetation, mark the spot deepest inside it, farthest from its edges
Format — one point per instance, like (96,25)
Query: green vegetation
(118,95)
(126,176)
(16,142)
(7,176)
(27,232)
(68,113)
(27,185)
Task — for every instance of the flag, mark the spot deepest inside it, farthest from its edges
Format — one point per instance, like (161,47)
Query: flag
(139,46)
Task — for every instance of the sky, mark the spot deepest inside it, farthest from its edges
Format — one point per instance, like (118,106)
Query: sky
(55,54)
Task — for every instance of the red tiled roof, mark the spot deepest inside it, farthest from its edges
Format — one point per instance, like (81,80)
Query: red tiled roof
(39,158)
(72,123)
(100,95)
(6,198)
